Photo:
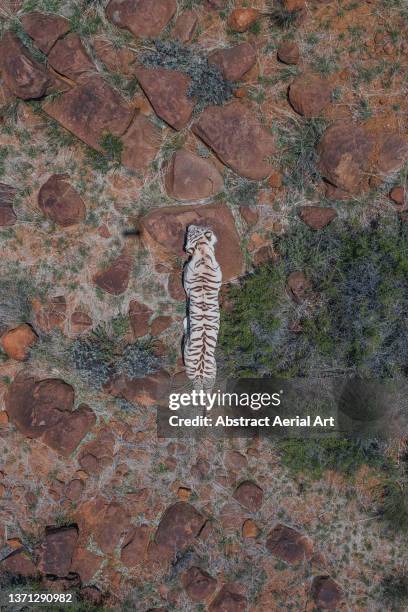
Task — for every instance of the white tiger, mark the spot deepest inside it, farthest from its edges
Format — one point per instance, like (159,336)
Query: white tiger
(202,281)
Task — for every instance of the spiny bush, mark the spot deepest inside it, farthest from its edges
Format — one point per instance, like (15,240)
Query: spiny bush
(354,321)
(93,359)
(137,360)
(239,190)
(99,356)
(281,17)
(297,141)
(15,305)
(208,85)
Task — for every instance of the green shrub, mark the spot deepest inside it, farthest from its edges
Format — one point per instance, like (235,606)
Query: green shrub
(315,456)
(393,507)
(354,321)
(394,589)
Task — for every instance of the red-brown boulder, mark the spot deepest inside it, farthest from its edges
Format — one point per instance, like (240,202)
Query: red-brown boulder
(175,286)
(19,563)
(198,584)
(327,594)
(44,409)
(249,495)
(398,195)
(289,545)
(52,314)
(178,527)
(80,321)
(147,391)
(17,342)
(241,19)
(298,286)
(116,59)
(309,94)
(134,551)
(317,217)
(234,62)
(288,52)
(393,152)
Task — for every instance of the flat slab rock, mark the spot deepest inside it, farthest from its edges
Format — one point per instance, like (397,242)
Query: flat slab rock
(60,201)
(141,143)
(44,28)
(230,598)
(178,527)
(167,92)
(24,76)
(139,316)
(145,18)
(57,550)
(249,495)
(19,563)
(344,152)
(43,409)
(393,152)
(7,215)
(163,230)
(237,138)
(235,61)
(115,278)
(90,111)
(116,59)
(190,177)
(134,551)
(70,58)
(185,26)
(106,521)
(289,545)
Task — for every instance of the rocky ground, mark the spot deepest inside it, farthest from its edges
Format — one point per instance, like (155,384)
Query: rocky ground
(122,122)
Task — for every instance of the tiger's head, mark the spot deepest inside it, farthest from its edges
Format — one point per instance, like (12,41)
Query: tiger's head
(199,235)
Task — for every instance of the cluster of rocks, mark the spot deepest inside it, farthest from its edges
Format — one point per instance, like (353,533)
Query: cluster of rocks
(63,554)
(351,158)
